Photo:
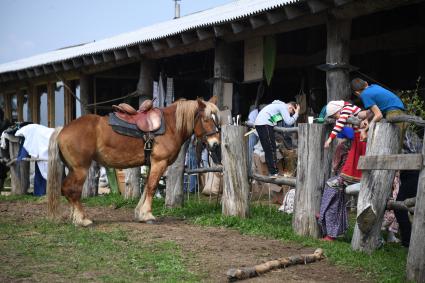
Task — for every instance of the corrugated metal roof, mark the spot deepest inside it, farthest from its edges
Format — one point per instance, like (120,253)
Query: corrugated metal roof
(221,14)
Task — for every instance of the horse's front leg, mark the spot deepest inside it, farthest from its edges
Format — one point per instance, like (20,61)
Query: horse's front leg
(143,211)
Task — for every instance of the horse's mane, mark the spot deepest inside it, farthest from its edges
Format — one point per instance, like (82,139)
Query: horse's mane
(185,114)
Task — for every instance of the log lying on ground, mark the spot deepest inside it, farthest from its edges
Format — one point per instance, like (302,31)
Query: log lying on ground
(248,272)
(289,181)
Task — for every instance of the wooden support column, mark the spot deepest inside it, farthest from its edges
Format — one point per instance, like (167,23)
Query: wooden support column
(51,104)
(69,102)
(7,106)
(20,105)
(376,186)
(337,58)
(92,181)
(132,183)
(145,84)
(313,170)
(174,196)
(415,269)
(35,106)
(224,69)
(85,91)
(235,174)
(144,89)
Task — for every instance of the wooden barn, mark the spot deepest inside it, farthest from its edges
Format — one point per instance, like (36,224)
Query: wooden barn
(293,47)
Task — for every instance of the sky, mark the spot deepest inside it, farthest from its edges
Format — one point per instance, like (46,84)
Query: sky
(31,27)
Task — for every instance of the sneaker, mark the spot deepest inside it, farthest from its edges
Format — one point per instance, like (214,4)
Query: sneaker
(328,238)
(274,175)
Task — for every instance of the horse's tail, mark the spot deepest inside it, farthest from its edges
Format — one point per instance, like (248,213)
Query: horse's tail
(54,175)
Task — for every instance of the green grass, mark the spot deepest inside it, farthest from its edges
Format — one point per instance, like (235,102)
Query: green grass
(385,265)
(46,251)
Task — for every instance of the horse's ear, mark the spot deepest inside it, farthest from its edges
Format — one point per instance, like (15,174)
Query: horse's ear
(201,104)
(214,99)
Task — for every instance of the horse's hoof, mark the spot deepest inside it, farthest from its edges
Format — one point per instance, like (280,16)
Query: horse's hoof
(86,222)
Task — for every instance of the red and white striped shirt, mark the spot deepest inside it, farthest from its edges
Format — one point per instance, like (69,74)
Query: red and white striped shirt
(346,112)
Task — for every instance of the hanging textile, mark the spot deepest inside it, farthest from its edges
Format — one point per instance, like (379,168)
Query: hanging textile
(155,94)
(161,91)
(269,57)
(169,97)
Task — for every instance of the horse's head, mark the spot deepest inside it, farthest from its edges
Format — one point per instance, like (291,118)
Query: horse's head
(207,127)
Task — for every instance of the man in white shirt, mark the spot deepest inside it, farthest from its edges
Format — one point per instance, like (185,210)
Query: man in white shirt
(267,118)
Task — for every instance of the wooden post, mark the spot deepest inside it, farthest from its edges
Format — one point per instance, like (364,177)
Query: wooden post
(51,104)
(174,196)
(376,185)
(313,170)
(224,69)
(415,269)
(85,87)
(92,181)
(145,83)
(235,173)
(19,171)
(35,106)
(132,183)
(20,105)
(7,106)
(338,52)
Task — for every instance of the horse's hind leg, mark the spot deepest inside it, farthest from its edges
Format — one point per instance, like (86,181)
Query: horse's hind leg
(72,189)
(143,211)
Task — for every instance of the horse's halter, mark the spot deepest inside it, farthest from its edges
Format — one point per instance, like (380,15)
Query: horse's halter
(206,134)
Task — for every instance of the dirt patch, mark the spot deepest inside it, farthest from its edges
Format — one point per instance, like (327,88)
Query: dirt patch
(212,251)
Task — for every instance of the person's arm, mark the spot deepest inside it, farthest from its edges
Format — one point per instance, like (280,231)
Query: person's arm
(339,124)
(377,116)
(287,118)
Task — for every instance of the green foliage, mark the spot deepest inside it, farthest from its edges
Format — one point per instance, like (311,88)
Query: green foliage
(415,104)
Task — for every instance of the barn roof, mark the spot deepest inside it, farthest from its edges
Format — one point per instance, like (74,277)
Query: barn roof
(221,14)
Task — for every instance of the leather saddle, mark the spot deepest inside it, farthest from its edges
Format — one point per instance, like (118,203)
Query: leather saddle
(147,119)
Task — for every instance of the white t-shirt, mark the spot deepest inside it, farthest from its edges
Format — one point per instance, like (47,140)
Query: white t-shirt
(274,112)
(253,115)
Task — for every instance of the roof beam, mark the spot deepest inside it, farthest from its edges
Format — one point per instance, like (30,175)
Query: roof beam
(57,67)
(88,60)
(275,17)
(293,12)
(257,22)
(38,71)
(159,45)
(204,34)
(13,76)
(108,56)
(342,2)
(188,37)
(22,75)
(221,30)
(173,41)
(48,68)
(145,47)
(120,54)
(67,65)
(30,73)
(317,5)
(97,59)
(77,62)
(238,27)
(133,51)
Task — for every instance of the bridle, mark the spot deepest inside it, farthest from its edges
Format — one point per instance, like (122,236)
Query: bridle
(206,134)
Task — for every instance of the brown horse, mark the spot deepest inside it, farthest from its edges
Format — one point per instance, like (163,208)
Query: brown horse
(90,137)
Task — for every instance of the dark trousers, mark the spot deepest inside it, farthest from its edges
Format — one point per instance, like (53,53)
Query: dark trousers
(268,142)
(408,189)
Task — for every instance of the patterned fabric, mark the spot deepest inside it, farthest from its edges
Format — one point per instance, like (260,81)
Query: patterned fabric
(390,222)
(347,111)
(333,217)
